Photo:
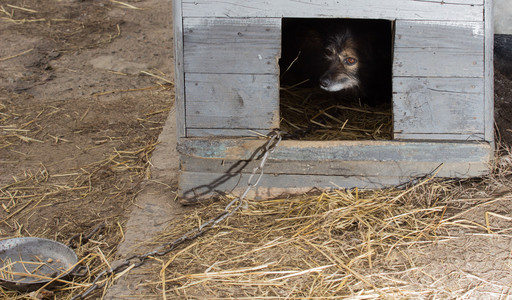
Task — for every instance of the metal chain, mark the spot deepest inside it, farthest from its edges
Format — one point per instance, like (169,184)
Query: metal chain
(274,138)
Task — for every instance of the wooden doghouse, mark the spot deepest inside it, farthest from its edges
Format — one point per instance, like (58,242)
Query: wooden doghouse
(227,88)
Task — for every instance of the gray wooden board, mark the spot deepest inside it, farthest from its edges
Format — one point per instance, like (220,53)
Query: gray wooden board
(300,166)
(439,48)
(232,101)
(489,72)
(453,106)
(438,137)
(289,150)
(339,168)
(198,185)
(465,10)
(464,2)
(247,46)
(178,70)
(226,132)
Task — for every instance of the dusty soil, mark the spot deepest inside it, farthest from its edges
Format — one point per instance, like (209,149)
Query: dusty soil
(75,95)
(85,87)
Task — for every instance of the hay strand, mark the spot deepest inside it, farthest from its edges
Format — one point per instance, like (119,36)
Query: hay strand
(16,55)
(125,4)
(310,114)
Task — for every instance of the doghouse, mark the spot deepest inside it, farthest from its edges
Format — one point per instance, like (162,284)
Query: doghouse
(227,89)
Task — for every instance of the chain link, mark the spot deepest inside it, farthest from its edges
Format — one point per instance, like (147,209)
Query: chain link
(274,138)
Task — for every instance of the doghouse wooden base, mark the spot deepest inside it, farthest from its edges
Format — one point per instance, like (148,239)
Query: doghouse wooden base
(210,166)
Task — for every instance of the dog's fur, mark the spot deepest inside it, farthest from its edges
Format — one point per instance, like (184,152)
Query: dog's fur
(339,55)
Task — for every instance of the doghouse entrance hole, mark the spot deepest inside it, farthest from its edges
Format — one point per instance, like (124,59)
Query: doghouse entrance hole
(336,54)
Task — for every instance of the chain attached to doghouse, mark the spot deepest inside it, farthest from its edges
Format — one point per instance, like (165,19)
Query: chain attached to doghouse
(274,138)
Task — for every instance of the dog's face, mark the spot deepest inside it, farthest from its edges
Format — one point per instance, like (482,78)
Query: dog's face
(342,62)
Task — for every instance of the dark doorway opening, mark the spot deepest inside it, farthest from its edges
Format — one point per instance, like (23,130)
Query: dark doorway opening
(335,79)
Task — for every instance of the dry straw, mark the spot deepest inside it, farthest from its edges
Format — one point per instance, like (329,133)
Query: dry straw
(315,115)
(308,246)
(324,244)
(348,244)
(33,196)
(26,197)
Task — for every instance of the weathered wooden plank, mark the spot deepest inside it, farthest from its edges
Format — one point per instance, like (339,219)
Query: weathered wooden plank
(289,150)
(198,185)
(218,132)
(401,169)
(300,166)
(232,45)
(419,136)
(208,166)
(233,101)
(489,72)
(461,36)
(465,10)
(179,75)
(438,106)
(439,49)
(463,2)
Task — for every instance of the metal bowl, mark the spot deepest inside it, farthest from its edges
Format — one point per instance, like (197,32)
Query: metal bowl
(28,263)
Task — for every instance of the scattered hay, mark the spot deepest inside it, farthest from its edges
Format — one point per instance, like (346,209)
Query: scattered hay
(91,30)
(331,244)
(309,246)
(310,114)
(16,55)
(38,194)
(340,244)
(69,204)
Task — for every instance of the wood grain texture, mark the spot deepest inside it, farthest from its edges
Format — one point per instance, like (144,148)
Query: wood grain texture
(418,136)
(489,72)
(246,46)
(465,10)
(211,165)
(226,132)
(293,151)
(441,108)
(402,169)
(233,101)
(439,49)
(199,185)
(179,78)
(202,185)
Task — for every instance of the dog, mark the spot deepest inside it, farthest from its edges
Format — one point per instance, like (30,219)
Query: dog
(341,56)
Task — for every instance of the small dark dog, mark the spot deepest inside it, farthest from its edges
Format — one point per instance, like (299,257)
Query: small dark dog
(346,56)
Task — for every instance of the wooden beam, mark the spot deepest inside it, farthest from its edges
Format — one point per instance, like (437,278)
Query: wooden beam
(464,10)
(179,75)
(289,150)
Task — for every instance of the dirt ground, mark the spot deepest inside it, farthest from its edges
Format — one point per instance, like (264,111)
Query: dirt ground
(85,88)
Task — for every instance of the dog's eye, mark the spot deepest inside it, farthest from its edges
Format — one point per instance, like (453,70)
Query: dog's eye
(350,61)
